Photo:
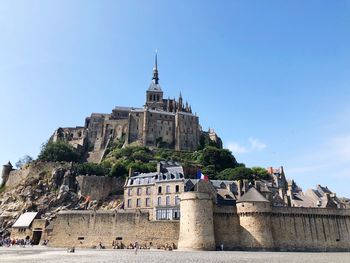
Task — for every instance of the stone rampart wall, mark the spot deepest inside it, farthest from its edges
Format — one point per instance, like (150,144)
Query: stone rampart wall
(99,187)
(88,228)
(311,229)
(17,176)
(292,229)
(226,227)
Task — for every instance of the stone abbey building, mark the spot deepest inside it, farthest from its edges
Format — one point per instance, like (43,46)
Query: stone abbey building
(168,123)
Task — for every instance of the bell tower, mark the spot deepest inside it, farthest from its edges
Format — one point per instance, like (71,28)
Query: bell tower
(154,94)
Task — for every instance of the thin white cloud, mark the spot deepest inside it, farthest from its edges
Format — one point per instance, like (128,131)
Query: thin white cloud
(234,147)
(252,145)
(255,144)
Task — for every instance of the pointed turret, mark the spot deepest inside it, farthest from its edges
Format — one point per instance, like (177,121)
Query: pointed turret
(180,103)
(155,70)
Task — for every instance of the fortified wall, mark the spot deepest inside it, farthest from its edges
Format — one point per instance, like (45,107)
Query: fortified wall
(89,228)
(205,226)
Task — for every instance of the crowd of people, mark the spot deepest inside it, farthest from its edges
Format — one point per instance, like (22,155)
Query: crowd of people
(6,241)
(136,245)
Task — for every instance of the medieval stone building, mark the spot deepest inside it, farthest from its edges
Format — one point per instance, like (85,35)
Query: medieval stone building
(161,122)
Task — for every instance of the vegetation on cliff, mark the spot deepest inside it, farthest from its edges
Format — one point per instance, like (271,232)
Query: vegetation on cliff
(214,161)
(59,151)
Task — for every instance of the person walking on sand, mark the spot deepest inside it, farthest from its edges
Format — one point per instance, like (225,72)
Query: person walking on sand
(136,247)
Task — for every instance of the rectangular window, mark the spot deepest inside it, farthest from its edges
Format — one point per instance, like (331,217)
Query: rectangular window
(177,200)
(168,189)
(148,202)
(148,190)
(176,214)
(139,191)
(159,200)
(168,214)
(167,200)
(129,203)
(159,190)
(129,191)
(138,202)
(177,188)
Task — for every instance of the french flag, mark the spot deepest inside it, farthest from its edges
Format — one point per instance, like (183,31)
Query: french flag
(202,176)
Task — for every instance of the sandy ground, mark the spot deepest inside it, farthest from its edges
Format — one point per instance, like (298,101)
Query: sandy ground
(43,254)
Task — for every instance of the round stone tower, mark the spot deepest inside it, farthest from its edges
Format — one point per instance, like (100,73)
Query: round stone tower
(196,223)
(6,169)
(254,212)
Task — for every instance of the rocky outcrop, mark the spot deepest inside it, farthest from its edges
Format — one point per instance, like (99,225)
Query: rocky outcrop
(46,188)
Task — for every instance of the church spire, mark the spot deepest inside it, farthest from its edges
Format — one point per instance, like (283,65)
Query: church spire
(155,69)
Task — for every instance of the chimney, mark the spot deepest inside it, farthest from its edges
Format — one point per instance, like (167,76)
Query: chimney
(159,167)
(257,185)
(131,172)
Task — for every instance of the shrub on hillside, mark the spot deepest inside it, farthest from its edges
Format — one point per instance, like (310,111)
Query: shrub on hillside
(238,173)
(59,151)
(91,169)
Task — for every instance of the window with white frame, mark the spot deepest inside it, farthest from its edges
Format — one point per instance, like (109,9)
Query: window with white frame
(177,200)
(148,202)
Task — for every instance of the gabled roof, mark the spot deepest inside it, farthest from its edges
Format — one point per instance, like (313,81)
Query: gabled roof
(252,196)
(25,219)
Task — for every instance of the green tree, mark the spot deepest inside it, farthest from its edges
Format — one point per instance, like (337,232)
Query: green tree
(118,170)
(210,171)
(260,173)
(59,151)
(23,161)
(238,173)
(91,169)
(205,141)
(220,158)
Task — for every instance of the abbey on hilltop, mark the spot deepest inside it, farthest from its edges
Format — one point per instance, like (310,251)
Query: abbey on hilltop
(167,123)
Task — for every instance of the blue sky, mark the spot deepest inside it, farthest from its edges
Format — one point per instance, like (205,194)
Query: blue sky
(271,77)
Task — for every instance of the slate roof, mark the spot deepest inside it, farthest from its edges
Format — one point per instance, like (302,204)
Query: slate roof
(121,108)
(252,196)
(154,87)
